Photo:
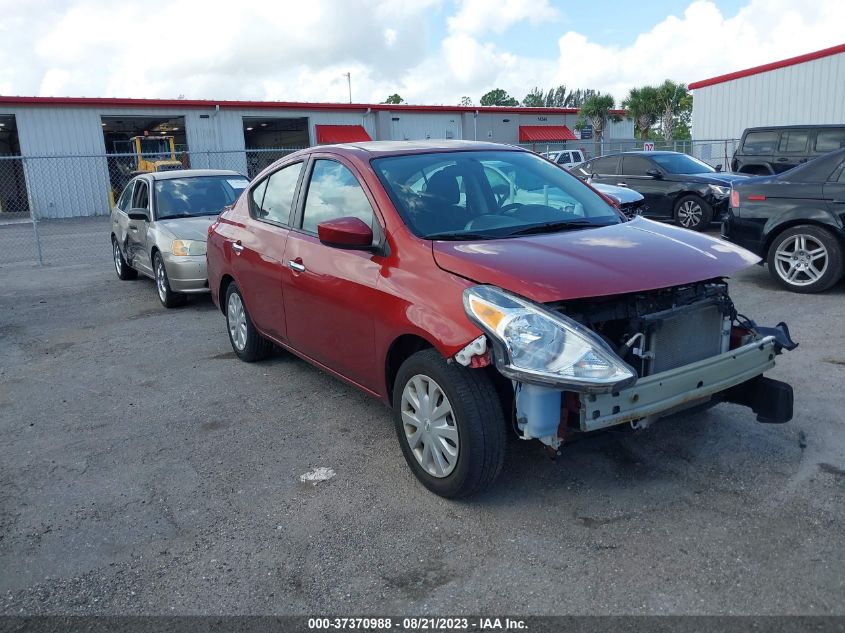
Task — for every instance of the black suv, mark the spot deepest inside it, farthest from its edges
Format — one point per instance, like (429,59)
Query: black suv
(765,151)
(675,186)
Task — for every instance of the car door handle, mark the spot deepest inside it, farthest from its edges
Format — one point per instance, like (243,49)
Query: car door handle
(237,247)
(297,266)
(782,160)
(134,229)
(621,184)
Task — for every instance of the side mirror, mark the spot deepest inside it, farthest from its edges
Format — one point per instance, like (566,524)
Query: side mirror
(655,173)
(348,232)
(139,214)
(719,167)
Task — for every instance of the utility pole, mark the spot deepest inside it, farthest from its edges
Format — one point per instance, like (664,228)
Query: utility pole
(349,81)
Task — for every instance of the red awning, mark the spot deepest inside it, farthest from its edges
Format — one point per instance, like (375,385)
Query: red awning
(545,133)
(341,134)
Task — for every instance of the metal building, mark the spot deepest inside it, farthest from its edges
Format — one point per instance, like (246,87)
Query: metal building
(808,89)
(224,134)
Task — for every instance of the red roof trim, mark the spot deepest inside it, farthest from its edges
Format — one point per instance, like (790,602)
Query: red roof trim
(341,134)
(539,133)
(784,63)
(110,102)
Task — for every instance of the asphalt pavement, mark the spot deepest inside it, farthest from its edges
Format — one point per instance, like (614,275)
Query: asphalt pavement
(145,470)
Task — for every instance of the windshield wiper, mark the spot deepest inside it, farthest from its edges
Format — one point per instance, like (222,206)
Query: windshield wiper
(459,235)
(549,227)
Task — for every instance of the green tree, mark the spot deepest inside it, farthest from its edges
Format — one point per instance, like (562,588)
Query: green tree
(577,98)
(643,108)
(498,97)
(394,98)
(596,110)
(673,99)
(466,102)
(534,99)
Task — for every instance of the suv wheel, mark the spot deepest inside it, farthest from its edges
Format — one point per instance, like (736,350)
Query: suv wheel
(450,424)
(247,343)
(805,259)
(124,271)
(168,298)
(693,212)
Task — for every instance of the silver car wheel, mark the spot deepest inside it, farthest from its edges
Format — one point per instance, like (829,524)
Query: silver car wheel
(801,260)
(161,280)
(118,258)
(689,214)
(430,426)
(237,321)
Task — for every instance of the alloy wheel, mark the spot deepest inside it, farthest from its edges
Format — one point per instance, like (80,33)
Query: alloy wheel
(801,260)
(118,263)
(237,321)
(161,280)
(430,427)
(689,214)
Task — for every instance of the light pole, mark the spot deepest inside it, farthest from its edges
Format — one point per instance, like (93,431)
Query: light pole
(348,76)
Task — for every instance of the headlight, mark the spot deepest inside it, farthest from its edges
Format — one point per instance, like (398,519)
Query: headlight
(537,346)
(720,190)
(184,248)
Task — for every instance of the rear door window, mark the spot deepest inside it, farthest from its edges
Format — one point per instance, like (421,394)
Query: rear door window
(793,141)
(760,143)
(605,165)
(273,199)
(830,140)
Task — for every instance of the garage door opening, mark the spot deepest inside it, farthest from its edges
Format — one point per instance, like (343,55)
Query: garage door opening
(267,139)
(13,198)
(143,144)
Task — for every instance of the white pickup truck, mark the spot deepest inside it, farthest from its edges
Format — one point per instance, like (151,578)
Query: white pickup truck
(566,158)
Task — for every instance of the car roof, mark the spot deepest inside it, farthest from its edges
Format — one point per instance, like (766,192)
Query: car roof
(190,173)
(373,149)
(642,152)
(817,126)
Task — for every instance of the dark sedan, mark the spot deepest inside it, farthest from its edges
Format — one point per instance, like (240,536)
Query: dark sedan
(795,221)
(676,186)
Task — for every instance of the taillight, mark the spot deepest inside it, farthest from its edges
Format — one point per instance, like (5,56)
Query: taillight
(757,198)
(734,199)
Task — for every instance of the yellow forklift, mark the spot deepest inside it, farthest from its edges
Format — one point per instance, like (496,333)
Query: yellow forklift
(138,155)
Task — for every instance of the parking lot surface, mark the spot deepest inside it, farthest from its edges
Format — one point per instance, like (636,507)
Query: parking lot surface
(144,469)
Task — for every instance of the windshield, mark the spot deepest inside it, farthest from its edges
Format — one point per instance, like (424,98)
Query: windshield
(681,164)
(155,146)
(488,194)
(200,195)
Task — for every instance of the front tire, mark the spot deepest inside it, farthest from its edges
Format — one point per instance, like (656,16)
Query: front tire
(246,342)
(805,259)
(693,212)
(124,270)
(450,424)
(168,298)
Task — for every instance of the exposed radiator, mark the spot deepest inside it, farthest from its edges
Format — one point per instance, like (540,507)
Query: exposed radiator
(680,337)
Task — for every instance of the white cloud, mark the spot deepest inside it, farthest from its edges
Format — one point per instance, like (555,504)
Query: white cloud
(293,50)
(479,16)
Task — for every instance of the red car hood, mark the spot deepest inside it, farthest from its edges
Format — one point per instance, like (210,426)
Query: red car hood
(628,257)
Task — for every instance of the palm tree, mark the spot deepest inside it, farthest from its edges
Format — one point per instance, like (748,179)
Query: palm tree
(596,110)
(642,106)
(670,98)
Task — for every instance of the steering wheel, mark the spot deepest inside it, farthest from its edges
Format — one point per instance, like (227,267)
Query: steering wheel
(508,209)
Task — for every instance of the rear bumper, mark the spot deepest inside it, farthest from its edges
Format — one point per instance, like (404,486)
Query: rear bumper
(677,389)
(187,274)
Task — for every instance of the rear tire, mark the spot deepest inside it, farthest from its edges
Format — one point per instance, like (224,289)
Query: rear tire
(693,212)
(805,259)
(246,342)
(168,298)
(450,424)
(124,271)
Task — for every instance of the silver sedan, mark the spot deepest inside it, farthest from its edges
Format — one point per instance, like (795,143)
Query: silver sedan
(160,225)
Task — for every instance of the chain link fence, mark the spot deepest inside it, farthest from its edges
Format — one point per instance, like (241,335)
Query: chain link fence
(713,152)
(54,209)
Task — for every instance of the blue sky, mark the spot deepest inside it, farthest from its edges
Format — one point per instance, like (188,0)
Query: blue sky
(428,51)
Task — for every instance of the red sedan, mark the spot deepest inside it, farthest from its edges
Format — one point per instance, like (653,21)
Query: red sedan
(479,290)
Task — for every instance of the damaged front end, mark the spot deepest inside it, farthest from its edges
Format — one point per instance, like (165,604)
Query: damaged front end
(588,364)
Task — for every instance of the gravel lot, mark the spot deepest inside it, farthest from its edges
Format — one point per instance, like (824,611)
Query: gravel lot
(144,469)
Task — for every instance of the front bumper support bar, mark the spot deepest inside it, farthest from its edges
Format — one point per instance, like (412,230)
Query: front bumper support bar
(677,389)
